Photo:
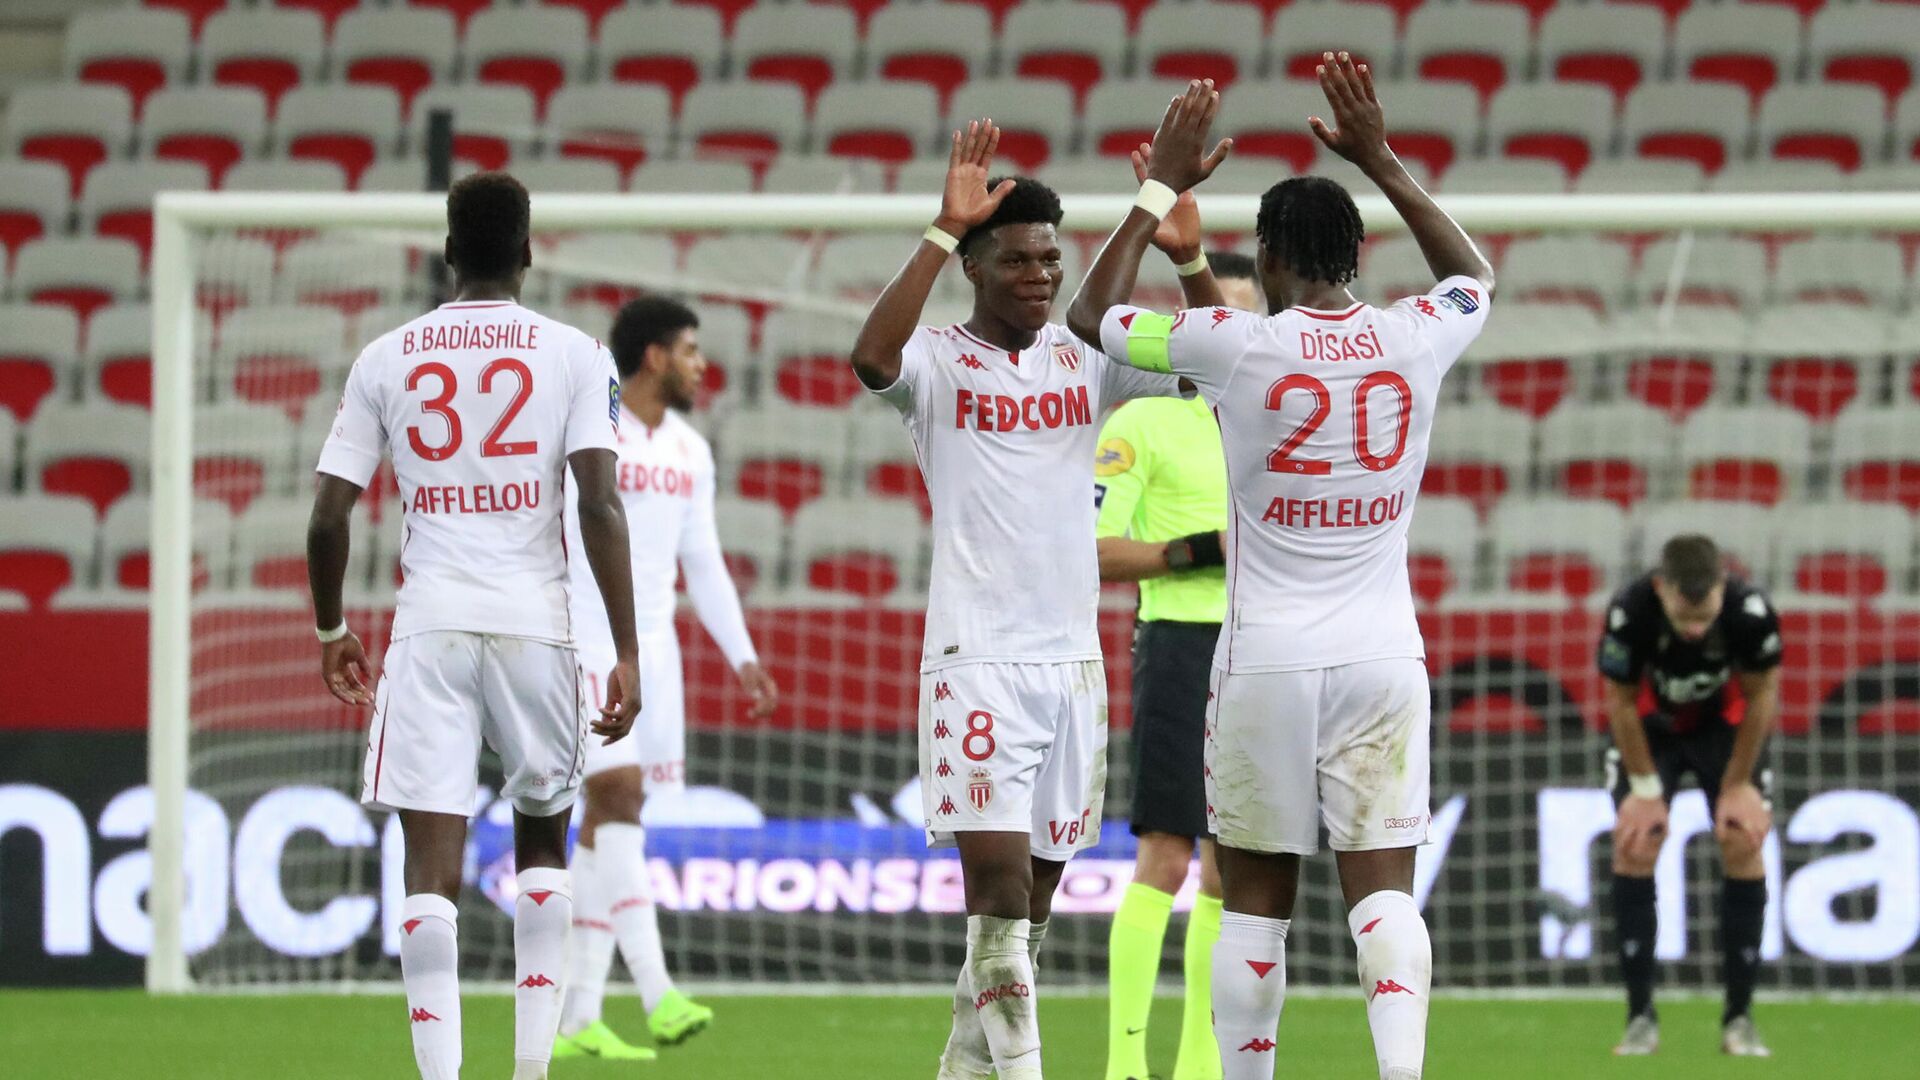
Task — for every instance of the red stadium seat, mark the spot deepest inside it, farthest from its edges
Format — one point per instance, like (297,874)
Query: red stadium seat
(887,123)
(95,452)
(1563,123)
(1676,385)
(1876,452)
(1480,44)
(119,354)
(942,45)
(1610,451)
(1756,454)
(1079,52)
(268,50)
(1699,122)
(729,11)
(1442,548)
(1751,46)
(535,48)
(74,126)
(670,46)
(1209,39)
(138,50)
(806,45)
(402,49)
(46,543)
(462,11)
(329,11)
(1613,45)
(196,11)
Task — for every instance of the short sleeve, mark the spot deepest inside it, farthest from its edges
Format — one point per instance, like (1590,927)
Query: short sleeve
(1756,637)
(1120,472)
(354,447)
(1448,318)
(593,416)
(1621,656)
(1202,345)
(916,357)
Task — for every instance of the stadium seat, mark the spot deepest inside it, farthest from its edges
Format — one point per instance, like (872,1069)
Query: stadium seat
(870,549)
(39,344)
(214,127)
(241,451)
(884,464)
(1752,453)
(888,122)
(1704,123)
(749,261)
(1895,176)
(196,11)
(942,45)
(752,536)
(1303,32)
(1275,127)
(1078,45)
(1620,452)
(673,46)
(46,544)
(1742,531)
(1680,367)
(1576,548)
(1641,176)
(535,48)
(782,454)
(1122,113)
(749,122)
(94,452)
(35,201)
(1617,46)
(269,546)
(118,201)
(405,50)
(126,538)
(139,50)
(1035,117)
(1727,270)
(280,355)
(577,262)
(1435,123)
(1392,267)
(1579,268)
(1531,356)
(81,274)
(1481,44)
(73,125)
(462,11)
(1765,175)
(234,270)
(329,11)
(1096,176)
(1812,355)
(1751,46)
(491,124)
(1845,269)
(118,359)
(1876,455)
(806,45)
(619,123)
(1443,549)
(1876,45)
(272,51)
(824,176)
(1206,39)
(570,175)
(266,174)
(349,125)
(808,358)
(346,274)
(679,177)
(1567,123)
(1478,453)
(1854,553)
(1838,123)
(1505,176)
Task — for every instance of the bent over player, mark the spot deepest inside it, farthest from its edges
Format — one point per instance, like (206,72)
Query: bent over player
(1320,699)
(666,481)
(1003,410)
(1687,630)
(485,406)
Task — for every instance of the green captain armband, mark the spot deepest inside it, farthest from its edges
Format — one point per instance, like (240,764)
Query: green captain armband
(1147,342)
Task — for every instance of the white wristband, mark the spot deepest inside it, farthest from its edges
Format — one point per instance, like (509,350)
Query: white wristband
(1645,786)
(1189,269)
(1156,198)
(941,238)
(327,637)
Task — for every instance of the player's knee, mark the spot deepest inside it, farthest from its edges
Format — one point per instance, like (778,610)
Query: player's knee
(614,796)
(1633,863)
(1162,861)
(1739,855)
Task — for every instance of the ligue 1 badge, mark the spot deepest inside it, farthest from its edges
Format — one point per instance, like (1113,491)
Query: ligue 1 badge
(980,789)
(1068,355)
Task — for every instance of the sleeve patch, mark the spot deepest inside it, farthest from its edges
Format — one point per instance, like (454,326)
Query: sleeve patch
(1466,300)
(1616,659)
(613,403)
(1756,605)
(1147,342)
(1114,457)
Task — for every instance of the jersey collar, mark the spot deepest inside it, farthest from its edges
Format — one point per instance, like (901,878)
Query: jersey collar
(1329,316)
(1010,354)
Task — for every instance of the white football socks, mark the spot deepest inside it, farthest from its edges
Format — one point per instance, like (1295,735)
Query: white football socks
(967,1056)
(590,949)
(620,852)
(1396,974)
(1001,971)
(1249,989)
(541,918)
(430,970)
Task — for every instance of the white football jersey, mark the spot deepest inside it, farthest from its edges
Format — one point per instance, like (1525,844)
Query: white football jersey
(1324,416)
(1006,444)
(480,404)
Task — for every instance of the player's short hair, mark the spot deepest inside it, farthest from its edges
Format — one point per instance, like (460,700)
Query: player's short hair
(488,221)
(1312,226)
(649,320)
(1029,203)
(1232,264)
(1691,563)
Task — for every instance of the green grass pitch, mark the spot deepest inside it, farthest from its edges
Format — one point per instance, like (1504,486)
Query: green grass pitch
(110,1035)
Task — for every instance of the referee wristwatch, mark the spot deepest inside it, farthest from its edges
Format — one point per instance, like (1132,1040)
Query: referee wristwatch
(1195,552)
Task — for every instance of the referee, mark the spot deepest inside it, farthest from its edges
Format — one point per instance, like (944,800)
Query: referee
(1161,488)
(1688,630)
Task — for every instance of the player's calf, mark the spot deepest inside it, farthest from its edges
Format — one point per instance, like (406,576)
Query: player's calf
(1396,974)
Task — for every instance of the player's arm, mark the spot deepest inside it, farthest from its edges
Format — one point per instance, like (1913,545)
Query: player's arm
(603,532)
(966,202)
(1741,805)
(1641,826)
(1359,134)
(717,602)
(343,662)
(1179,238)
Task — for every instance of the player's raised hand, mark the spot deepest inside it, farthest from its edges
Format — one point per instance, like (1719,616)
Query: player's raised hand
(966,202)
(343,664)
(763,695)
(623,702)
(1179,232)
(1359,131)
(1180,159)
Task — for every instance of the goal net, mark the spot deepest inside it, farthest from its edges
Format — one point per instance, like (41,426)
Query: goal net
(1743,366)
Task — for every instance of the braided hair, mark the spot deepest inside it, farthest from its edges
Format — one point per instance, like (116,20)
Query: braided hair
(1312,226)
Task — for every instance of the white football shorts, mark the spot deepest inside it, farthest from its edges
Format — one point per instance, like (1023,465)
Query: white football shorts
(1346,745)
(657,745)
(1015,748)
(443,691)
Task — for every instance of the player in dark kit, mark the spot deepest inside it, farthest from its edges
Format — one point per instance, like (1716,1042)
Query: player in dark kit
(1706,646)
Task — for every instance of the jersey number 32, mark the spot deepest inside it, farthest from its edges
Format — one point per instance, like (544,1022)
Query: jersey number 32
(441,405)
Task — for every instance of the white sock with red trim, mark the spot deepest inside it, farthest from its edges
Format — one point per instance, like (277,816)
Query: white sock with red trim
(430,971)
(590,949)
(1396,973)
(1001,970)
(621,853)
(1249,989)
(541,918)
(967,1056)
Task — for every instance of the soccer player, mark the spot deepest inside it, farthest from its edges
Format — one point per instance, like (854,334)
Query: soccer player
(1688,630)
(1161,488)
(1003,413)
(666,479)
(485,407)
(1319,708)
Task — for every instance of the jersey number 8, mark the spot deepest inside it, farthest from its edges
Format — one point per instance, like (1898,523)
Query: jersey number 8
(1282,459)
(441,406)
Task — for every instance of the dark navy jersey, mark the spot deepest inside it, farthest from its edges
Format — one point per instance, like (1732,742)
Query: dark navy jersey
(1687,680)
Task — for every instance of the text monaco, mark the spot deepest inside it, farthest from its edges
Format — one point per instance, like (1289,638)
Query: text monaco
(998,412)
(1335,513)
(517,336)
(477,498)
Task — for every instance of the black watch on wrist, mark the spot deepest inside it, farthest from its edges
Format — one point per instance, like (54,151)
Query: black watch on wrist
(1179,554)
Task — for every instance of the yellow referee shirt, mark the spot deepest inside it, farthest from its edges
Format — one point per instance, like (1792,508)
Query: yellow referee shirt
(1159,474)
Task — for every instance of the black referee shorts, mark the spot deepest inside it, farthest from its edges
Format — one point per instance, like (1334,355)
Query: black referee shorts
(1703,753)
(1171,663)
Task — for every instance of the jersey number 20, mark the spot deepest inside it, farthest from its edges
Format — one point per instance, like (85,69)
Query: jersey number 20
(441,406)
(1282,459)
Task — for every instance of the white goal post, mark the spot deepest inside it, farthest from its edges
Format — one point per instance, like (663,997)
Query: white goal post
(182,222)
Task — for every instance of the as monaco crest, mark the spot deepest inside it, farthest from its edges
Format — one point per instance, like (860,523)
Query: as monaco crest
(980,789)
(1068,355)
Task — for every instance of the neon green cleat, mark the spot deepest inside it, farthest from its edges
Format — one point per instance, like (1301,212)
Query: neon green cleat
(677,1018)
(598,1040)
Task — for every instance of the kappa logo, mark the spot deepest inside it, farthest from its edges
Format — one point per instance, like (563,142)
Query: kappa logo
(1259,1046)
(1068,356)
(942,692)
(941,730)
(943,769)
(535,982)
(421,1016)
(947,809)
(1388,986)
(1220,315)
(1426,308)
(970,362)
(980,788)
